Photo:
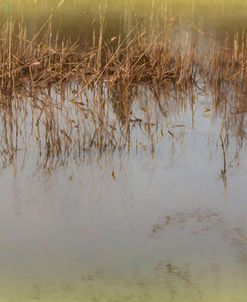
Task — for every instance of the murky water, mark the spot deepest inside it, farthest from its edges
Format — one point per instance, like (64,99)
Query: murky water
(161,216)
(160,225)
(79,18)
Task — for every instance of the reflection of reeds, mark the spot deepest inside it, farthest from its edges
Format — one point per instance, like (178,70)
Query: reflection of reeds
(61,123)
(82,98)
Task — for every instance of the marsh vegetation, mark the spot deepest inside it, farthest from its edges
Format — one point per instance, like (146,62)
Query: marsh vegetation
(123,150)
(81,91)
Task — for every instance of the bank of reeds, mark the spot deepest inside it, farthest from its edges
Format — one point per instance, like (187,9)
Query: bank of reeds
(138,57)
(76,99)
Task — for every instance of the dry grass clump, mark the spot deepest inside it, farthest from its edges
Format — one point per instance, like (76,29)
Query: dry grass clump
(77,99)
(228,63)
(49,59)
(138,57)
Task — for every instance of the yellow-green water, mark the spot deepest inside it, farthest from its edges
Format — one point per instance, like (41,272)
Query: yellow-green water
(75,18)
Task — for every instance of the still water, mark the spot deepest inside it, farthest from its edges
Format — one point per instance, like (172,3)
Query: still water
(139,225)
(162,218)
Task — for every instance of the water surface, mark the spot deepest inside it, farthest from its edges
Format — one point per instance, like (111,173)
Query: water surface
(163,225)
(141,199)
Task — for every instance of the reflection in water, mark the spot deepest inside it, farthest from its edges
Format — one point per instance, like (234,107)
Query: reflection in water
(201,222)
(131,192)
(103,167)
(57,125)
(78,234)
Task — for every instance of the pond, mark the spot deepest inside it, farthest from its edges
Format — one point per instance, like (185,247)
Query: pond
(114,194)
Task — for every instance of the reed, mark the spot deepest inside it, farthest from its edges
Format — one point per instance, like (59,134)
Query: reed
(77,99)
(139,57)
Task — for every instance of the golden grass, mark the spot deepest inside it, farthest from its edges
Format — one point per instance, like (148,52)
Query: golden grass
(77,99)
(148,57)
